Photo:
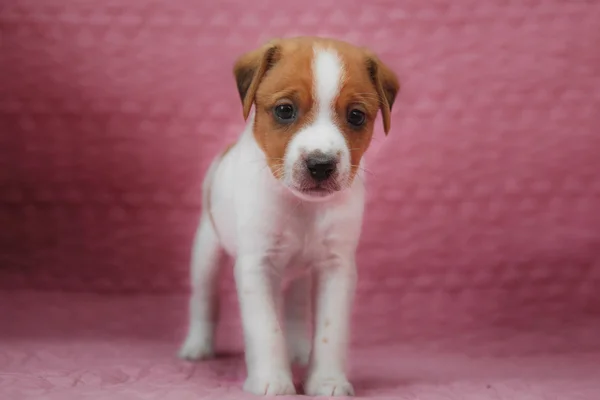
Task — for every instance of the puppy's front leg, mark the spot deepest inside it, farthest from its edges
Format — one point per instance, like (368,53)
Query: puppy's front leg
(297,322)
(267,364)
(336,281)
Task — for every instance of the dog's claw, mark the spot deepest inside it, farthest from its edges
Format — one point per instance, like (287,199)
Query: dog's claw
(275,385)
(327,386)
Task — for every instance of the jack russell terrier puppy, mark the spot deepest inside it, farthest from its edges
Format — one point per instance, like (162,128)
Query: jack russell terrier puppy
(287,199)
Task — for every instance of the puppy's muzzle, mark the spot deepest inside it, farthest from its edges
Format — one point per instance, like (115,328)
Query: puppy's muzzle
(321,166)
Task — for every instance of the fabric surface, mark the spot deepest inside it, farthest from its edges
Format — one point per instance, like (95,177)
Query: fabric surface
(480,255)
(89,346)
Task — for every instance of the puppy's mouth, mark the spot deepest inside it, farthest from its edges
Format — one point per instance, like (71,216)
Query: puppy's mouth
(316,177)
(316,190)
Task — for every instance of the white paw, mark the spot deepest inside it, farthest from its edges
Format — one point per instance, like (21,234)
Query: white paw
(299,351)
(197,347)
(326,385)
(276,384)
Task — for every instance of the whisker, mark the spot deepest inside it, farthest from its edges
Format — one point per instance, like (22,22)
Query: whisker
(278,170)
(363,169)
(360,177)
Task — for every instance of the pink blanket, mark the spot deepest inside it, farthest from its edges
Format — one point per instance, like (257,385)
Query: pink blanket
(480,258)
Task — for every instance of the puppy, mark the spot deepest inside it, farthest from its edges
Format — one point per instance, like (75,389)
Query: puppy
(287,200)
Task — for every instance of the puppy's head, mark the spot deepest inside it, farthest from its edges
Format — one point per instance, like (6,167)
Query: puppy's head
(316,101)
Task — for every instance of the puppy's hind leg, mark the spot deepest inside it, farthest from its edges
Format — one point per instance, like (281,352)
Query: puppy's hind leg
(203,306)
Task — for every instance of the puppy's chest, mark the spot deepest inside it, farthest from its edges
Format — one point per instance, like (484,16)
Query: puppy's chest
(299,244)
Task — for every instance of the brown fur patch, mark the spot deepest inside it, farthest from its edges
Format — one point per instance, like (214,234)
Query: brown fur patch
(356,92)
(290,80)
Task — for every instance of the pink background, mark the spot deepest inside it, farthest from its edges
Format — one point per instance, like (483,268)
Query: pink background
(482,234)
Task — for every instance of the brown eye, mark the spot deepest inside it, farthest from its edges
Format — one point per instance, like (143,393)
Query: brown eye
(285,113)
(356,118)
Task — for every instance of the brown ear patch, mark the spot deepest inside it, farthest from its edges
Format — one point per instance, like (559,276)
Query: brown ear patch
(243,77)
(387,86)
(250,69)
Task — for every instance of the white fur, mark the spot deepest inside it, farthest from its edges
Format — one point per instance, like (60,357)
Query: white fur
(323,134)
(274,233)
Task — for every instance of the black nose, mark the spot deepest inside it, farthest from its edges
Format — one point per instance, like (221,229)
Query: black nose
(321,167)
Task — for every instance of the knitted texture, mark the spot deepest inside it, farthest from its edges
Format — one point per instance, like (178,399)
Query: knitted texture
(483,209)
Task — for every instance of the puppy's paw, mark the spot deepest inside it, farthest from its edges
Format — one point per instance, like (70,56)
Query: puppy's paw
(197,347)
(274,384)
(327,385)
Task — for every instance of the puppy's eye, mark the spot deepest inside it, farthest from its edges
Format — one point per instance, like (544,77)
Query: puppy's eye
(356,118)
(285,113)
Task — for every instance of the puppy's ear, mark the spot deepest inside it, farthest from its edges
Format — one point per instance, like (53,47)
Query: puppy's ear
(249,70)
(387,86)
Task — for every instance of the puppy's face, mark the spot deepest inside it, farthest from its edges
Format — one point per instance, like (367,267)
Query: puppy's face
(316,101)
